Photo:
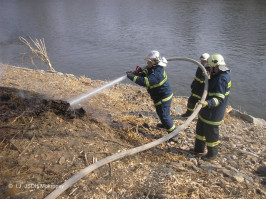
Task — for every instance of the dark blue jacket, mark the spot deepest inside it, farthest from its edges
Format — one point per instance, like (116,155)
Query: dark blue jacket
(197,86)
(217,98)
(156,82)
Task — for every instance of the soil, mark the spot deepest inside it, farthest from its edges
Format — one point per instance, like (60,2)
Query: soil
(44,141)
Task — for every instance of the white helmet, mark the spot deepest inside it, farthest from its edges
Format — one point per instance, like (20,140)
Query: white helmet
(217,60)
(204,56)
(155,58)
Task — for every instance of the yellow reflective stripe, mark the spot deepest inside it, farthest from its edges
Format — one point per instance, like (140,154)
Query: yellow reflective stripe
(145,71)
(171,129)
(190,109)
(194,95)
(213,144)
(217,94)
(229,84)
(216,101)
(210,122)
(135,79)
(158,103)
(199,137)
(167,98)
(161,83)
(164,100)
(197,79)
(227,93)
(147,82)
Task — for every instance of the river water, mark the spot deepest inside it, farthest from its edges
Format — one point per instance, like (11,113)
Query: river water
(102,39)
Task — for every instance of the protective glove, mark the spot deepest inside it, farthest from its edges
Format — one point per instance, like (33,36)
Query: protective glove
(138,70)
(130,73)
(204,104)
(209,75)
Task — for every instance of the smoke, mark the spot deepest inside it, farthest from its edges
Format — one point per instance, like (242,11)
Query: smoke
(21,94)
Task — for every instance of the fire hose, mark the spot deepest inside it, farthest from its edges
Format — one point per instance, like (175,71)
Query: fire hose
(75,178)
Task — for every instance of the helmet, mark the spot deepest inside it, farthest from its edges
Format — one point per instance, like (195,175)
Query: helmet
(216,60)
(155,58)
(204,56)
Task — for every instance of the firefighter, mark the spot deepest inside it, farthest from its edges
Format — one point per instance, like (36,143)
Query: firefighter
(197,86)
(213,108)
(154,78)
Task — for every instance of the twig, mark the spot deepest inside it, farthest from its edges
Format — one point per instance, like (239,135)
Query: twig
(18,118)
(11,144)
(147,196)
(2,141)
(74,190)
(31,119)
(86,159)
(27,146)
(110,174)
(94,159)
(249,153)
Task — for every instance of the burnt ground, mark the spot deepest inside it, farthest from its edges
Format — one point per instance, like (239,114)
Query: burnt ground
(43,142)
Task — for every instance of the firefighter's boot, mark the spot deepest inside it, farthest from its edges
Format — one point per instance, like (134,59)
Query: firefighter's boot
(199,146)
(187,114)
(211,155)
(160,125)
(175,138)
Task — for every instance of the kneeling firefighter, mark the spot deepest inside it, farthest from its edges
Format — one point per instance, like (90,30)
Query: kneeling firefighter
(154,78)
(211,115)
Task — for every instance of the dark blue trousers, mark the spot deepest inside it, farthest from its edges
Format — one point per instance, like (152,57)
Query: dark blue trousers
(163,111)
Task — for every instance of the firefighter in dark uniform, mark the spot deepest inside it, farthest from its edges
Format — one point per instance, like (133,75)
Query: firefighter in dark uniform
(154,78)
(197,86)
(211,115)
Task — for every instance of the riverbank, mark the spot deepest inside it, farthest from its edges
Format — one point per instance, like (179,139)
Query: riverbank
(42,144)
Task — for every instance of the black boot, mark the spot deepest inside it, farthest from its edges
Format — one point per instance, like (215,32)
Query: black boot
(160,125)
(199,146)
(175,138)
(187,114)
(211,155)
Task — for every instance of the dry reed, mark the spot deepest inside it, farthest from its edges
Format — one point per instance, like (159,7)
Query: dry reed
(39,50)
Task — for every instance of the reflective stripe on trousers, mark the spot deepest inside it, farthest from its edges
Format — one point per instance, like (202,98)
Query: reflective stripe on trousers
(163,111)
(208,133)
(164,100)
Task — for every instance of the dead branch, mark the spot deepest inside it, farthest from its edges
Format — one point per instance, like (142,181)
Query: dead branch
(39,50)
(18,118)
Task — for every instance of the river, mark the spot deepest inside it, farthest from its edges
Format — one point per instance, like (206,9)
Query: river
(102,39)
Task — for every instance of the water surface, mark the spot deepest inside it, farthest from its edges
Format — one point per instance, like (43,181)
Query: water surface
(102,39)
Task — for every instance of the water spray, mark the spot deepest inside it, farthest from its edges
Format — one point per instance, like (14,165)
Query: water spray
(96,91)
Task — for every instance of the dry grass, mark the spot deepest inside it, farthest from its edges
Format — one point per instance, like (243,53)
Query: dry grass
(118,119)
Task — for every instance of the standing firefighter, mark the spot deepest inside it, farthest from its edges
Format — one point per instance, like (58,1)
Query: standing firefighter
(197,86)
(154,78)
(212,112)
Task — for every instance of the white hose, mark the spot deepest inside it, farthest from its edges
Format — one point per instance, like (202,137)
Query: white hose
(68,183)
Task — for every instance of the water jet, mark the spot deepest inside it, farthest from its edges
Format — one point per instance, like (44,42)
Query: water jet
(95,91)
